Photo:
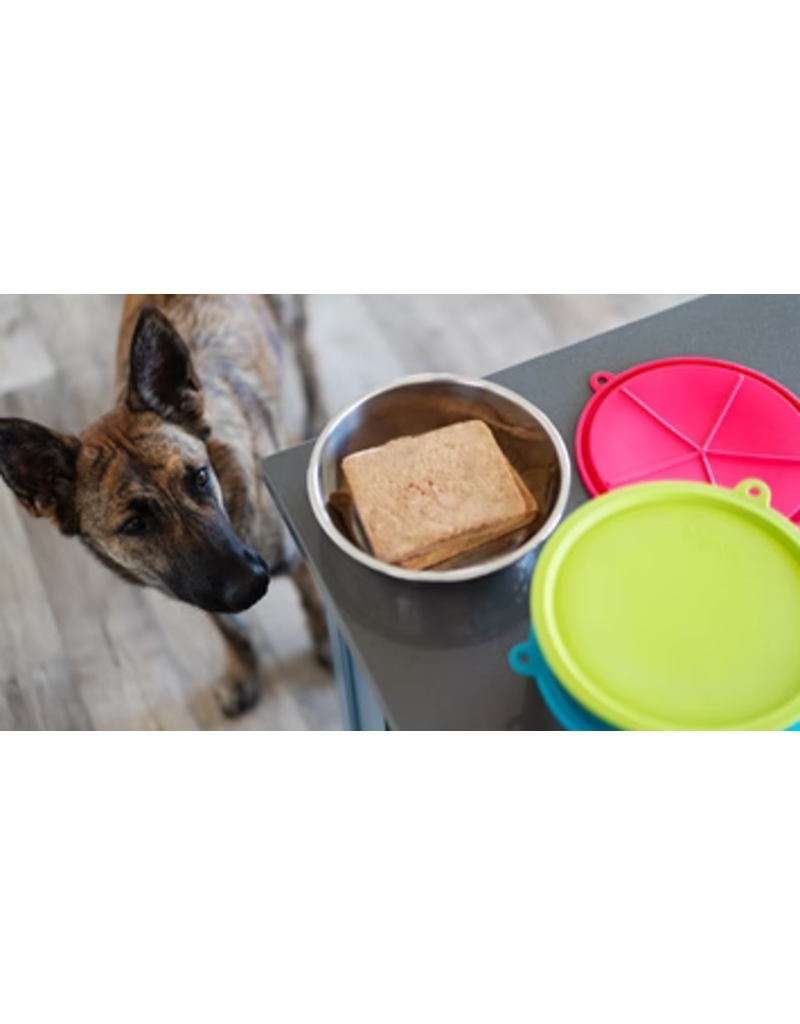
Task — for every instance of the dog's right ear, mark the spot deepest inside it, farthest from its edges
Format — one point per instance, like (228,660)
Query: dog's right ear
(162,376)
(40,467)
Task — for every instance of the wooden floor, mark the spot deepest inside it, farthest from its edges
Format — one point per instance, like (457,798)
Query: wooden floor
(81,650)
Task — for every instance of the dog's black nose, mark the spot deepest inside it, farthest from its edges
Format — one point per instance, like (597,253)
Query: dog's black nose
(248,585)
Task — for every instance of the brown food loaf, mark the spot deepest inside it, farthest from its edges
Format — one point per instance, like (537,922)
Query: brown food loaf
(424,500)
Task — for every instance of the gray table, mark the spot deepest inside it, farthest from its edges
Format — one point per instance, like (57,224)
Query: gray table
(436,657)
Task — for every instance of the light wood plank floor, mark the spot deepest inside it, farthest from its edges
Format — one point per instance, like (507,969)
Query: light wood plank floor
(80,649)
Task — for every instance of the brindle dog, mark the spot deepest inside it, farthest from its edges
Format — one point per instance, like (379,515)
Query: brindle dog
(166,488)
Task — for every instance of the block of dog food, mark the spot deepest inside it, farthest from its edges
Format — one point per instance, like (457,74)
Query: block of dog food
(424,500)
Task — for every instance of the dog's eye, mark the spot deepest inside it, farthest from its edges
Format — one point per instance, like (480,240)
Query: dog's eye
(133,527)
(202,479)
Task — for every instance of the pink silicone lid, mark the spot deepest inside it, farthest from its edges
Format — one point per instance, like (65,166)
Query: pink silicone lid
(692,419)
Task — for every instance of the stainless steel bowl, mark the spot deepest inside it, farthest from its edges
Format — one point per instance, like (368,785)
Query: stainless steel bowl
(421,403)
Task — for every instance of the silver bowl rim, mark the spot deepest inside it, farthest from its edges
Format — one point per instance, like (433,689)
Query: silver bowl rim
(432,575)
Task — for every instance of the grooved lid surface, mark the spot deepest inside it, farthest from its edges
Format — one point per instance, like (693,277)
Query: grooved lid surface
(702,420)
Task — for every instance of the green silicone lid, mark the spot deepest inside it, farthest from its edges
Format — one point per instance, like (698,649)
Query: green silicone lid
(675,606)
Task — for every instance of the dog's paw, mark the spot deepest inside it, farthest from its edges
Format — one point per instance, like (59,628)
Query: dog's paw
(235,696)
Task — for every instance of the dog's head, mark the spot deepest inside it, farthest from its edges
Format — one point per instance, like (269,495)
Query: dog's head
(138,487)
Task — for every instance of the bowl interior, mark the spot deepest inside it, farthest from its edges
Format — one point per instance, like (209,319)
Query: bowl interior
(415,408)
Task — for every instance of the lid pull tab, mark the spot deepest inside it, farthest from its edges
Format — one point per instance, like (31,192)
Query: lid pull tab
(756,491)
(599,380)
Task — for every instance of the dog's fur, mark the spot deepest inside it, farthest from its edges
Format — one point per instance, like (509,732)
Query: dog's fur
(166,488)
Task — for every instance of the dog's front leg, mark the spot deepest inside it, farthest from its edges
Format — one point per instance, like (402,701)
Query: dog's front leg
(240,687)
(315,613)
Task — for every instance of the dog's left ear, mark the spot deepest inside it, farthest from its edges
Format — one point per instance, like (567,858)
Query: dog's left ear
(40,467)
(162,376)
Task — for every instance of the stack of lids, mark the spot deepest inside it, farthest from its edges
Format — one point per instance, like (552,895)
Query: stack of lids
(672,601)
